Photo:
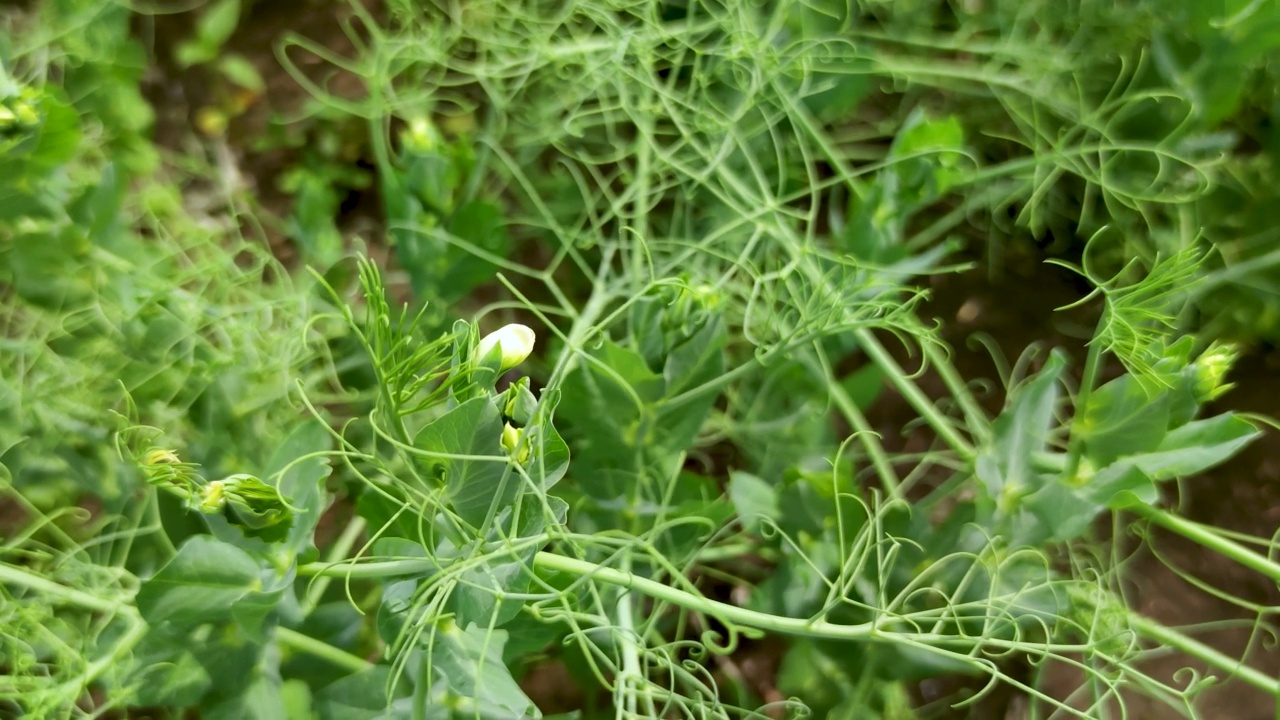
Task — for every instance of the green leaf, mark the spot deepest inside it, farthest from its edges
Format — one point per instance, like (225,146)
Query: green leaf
(602,407)
(471,662)
(217,22)
(1122,418)
(752,499)
(190,52)
(384,509)
(1115,482)
(479,597)
(260,700)
(481,594)
(201,583)
(393,610)
(1059,513)
(696,359)
(864,385)
(613,408)
(302,483)
(364,697)
(797,587)
(472,485)
(241,72)
(1190,449)
(550,460)
(252,611)
(482,227)
(1199,445)
(802,507)
(60,132)
(528,635)
(167,677)
(1004,467)
(807,672)
(296,697)
(931,154)
(605,392)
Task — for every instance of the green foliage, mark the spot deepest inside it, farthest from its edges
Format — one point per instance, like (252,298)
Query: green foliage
(611,401)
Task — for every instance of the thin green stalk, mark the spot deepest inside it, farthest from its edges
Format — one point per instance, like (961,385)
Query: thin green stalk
(337,553)
(923,405)
(732,551)
(1208,538)
(322,650)
(800,627)
(125,644)
(764,621)
(630,653)
(975,417)
(1235,667)
(386,568)
(66,595)
(943,491)
(1092,366)
(870,439)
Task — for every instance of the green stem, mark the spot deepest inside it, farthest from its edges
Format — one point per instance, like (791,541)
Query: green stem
(864,632)
(1208,538)
(630,653)
(1092,366)
(822,629)
(322,650)
(721,553)
(125,644)
(869,631)
(913,395)
(375,570)
(975,417)
(1194,648)
(870,439)
(944,491)
(66,595)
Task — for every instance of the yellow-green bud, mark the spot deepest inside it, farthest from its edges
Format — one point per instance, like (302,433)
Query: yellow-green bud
(1211,371)
(511,443)
(515,343)
(160,456)
(421,135)
(26,114)
(214,497)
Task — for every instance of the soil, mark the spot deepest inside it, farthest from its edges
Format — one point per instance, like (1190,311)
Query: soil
(1015,310)
(283,108)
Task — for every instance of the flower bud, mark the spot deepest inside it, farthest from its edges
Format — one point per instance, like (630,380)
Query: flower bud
(213,497)
(514,341)
(160,456)
(1211,370)
(520,405)
(511,442)
(26,114)
(421,135)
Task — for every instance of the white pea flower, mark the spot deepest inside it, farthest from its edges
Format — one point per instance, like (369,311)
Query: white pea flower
(515,341)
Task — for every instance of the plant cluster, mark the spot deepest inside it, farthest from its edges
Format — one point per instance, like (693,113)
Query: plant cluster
(699,236)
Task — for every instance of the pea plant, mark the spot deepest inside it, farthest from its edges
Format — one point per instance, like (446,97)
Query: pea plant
(499,521)
(608,407)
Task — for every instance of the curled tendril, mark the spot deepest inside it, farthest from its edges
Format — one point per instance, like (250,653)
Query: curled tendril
(712,638)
